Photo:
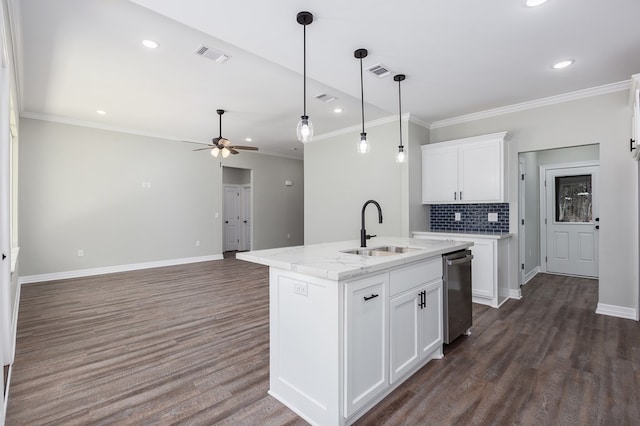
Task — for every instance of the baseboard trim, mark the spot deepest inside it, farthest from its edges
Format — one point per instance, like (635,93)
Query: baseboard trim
(29,279)
(616,311)
(532,273)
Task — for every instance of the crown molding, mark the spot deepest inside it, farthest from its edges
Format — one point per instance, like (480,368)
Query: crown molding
(537,103)
(102,126)
(368,124)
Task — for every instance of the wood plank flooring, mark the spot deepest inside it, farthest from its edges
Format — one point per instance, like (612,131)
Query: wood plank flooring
(189,345)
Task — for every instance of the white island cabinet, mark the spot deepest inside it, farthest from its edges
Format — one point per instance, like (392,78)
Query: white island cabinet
(347,329)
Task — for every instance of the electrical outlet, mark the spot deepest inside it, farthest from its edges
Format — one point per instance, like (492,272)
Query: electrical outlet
(456,217)
(288,236)
(492,217)
(197,243)
(80,252)
(300,288)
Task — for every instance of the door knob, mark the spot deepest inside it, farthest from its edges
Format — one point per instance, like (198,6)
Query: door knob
(226,221)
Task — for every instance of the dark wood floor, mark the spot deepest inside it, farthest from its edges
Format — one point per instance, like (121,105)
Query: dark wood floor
(189,345)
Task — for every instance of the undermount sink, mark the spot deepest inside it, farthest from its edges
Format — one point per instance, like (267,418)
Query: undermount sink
(380,251)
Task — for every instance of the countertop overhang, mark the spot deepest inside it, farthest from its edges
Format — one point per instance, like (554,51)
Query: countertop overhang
(326,260)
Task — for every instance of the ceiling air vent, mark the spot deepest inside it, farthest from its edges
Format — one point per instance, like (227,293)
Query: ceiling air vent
(213,54)
(379,70)
(325,97)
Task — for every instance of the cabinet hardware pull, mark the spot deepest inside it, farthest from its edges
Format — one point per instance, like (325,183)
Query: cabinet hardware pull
(455,195)
(423,299)
(460,195)
(631,142)
(373,296)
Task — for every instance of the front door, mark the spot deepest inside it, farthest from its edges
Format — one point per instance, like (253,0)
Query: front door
(572,220)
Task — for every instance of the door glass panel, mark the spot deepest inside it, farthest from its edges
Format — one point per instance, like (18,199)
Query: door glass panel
(573,198)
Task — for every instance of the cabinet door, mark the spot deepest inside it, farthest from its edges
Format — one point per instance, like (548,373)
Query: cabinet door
(480,172)
(365,340)
(404,333)
(431,321)
(439,174)
(483,271)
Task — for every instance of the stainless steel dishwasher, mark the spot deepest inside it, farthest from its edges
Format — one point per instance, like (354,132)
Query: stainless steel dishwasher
(456,293)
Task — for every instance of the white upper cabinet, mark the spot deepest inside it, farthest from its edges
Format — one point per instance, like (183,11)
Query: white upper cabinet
(471,170)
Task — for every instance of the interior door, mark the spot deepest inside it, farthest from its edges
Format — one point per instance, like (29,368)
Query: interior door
(247,220)
(231,217)
(572,220)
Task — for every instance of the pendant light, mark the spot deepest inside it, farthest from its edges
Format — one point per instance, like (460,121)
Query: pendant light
(305,128)
(401,156)
(363,144)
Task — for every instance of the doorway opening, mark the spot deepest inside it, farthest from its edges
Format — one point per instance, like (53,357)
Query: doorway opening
(237,232)
(534,208)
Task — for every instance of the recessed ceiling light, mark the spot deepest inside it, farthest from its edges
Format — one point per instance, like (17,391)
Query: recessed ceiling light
(150,44)
(337,110)
(248,139)
(563,64)
(101,112)
(534,3)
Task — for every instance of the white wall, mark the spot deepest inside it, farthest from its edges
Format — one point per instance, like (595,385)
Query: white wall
(603,120)
(339,181)
(84,188)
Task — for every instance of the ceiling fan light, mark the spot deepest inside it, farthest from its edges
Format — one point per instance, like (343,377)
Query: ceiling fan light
(304,129)
(215,151)
(225,152)
(363,144)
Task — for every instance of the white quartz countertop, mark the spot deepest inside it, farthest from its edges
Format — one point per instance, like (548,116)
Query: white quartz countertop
(326,260)
(462,235)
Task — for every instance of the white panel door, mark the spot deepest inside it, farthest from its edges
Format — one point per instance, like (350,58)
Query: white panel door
(247,220)
(231,217)
(480,172)
(572,220)
(439,174)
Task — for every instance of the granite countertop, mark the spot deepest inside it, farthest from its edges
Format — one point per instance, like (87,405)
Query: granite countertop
(327,261)
(457,234)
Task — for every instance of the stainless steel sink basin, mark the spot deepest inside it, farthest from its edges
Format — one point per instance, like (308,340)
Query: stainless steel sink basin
(380,251)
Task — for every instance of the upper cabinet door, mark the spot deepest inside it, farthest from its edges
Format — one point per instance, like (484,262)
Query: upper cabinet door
(480,172)
(471,170)
(439,174)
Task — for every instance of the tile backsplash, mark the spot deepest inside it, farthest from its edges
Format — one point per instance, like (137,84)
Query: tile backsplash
(473,218)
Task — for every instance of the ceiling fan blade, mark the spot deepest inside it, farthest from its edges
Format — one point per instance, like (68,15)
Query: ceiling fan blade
(202,149)
(196,143)
(248,148)
(233,151)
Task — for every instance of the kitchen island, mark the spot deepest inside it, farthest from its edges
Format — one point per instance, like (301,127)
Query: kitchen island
(346,328)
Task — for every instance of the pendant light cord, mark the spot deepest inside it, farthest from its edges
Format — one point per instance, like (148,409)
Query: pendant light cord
(362,93)
(304,68)
(400,110)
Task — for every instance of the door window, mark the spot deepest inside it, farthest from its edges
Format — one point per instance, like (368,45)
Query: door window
(573,199)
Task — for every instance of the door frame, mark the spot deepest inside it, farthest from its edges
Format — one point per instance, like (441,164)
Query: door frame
(521,219)
(543,205)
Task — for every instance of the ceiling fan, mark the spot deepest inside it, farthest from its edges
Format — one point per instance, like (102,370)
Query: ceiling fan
(222,146)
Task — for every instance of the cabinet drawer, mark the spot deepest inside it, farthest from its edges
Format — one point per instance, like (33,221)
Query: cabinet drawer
(411,276)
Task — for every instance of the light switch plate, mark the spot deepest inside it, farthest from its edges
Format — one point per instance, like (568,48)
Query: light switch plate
(492,217)
(456,217)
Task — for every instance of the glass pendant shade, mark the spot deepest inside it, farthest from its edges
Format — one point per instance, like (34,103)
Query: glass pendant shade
(401,157)
(215,151)
(304,129)
(363,144)
(225,152)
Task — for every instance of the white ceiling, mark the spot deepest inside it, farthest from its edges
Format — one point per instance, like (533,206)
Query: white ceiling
(460,57)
